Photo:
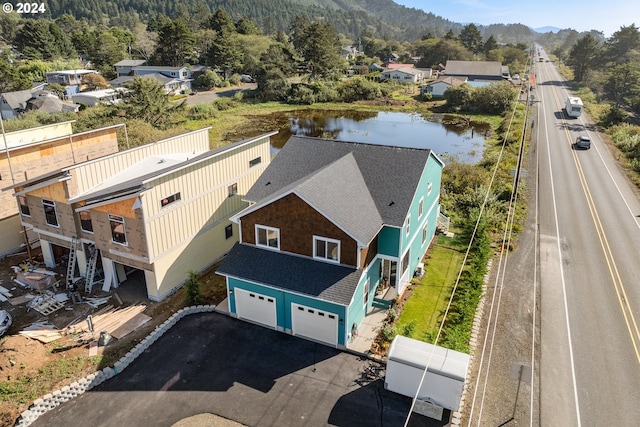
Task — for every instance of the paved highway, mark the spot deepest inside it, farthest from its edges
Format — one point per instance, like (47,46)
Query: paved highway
(589,264)
(560,342)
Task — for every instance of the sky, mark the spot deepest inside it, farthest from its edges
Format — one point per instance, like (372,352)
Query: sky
(584,15)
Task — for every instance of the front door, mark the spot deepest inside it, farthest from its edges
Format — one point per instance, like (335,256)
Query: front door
(389,272)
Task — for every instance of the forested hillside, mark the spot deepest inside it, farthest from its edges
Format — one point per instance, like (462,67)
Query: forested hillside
(351,18)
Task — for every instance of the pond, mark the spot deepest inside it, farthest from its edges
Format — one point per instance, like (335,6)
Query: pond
(439,133)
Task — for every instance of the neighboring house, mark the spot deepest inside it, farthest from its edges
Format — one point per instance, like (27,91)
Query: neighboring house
(48,102)
(349,52)
(476,70)
(67,77)
(104,96)
(395,66)
(14,103)
(375,67)
(35,151)
(402,75)
(427,73)
(174,79)
(439,86)
(125,67)
(331,222)
(161,209)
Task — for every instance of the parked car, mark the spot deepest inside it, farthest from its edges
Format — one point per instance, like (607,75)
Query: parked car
(583,142)
(246,78)
(5,322)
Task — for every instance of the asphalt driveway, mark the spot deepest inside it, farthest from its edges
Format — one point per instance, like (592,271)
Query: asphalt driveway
(212,363)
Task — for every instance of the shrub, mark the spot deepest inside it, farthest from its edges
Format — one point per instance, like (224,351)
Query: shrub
(359,89)
(192,288)
(388,332)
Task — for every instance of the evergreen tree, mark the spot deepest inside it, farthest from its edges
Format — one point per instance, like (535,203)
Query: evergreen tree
(623,44)
(225,53)
(175,43)
(220,22)
(471,38)
(490,44)
(584,56)
(148,101)
(622,85)
(320,48)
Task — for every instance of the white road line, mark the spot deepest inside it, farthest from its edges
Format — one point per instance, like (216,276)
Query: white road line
(564,290)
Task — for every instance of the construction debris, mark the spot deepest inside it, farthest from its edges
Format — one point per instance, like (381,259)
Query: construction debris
(42,331)
(45,304)
(21,299)
(95,302)
(109,320)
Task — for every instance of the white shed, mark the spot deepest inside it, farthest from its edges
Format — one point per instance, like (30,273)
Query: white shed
(443,383)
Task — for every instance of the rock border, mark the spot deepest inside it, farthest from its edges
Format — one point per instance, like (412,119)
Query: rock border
(76,388)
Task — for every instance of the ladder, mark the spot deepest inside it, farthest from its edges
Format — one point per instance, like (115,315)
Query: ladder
(91,268)
(71,265)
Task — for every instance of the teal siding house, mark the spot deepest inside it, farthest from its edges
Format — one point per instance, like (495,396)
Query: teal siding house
(331,225)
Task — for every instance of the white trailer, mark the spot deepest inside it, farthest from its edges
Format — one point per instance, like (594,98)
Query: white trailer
(574,106)
(444,380)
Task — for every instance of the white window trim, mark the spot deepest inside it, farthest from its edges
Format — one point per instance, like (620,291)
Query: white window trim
(366,293)
(407,225)
(424,232)
(277,230)
(420,207)
(429,188)
(326,239)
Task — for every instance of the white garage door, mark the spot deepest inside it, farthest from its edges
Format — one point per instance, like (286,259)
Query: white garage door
(256,307)
(315,324)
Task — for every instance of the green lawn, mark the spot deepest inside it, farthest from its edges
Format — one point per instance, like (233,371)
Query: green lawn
(430,297)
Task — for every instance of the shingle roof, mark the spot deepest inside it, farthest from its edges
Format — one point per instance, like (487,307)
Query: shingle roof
(474,68)
(129,63)
(321,280)
(17,100)
(390,175)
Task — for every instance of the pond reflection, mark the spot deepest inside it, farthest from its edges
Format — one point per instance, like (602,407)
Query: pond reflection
(463,140)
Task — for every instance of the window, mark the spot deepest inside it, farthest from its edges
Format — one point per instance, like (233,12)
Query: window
(24,206)
(228,231)
(424,233)
(429,188)
(405,262)
(233,189)
(255,161)
(407,224)
(50,212)
(366,293)
(85,221)
(117,229)
(168,200)
(327,249)
(268,237)
(420,208)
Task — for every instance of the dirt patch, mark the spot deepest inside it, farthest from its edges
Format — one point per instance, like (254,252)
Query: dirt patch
(30,369)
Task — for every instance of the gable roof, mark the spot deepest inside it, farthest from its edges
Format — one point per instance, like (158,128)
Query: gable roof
(394,65)
(474,68)
(129,63)
(323,280)
(17,100)
(355,175)
(405,70)
(452,81)
(157,67)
